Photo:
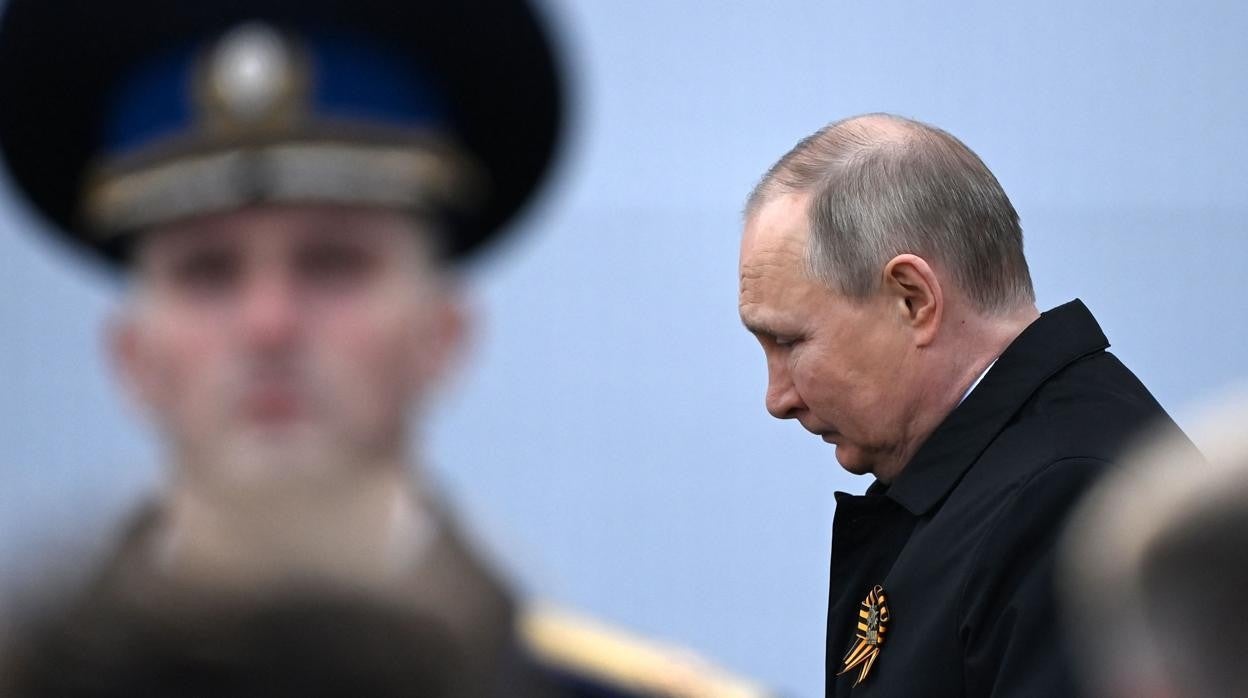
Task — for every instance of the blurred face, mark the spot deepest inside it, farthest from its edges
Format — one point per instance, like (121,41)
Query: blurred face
(279,343)
(842,368)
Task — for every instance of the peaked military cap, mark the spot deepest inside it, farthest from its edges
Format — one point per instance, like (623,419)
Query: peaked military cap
(122,114)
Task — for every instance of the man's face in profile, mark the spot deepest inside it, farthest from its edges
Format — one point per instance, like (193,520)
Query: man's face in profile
(837,365)
(284,342)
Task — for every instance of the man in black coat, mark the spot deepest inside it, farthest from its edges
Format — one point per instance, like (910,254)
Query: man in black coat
(882,271)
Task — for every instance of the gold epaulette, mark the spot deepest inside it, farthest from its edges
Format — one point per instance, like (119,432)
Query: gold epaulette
(587,648)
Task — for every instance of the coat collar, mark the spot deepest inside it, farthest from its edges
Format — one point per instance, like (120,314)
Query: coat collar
(1055,340)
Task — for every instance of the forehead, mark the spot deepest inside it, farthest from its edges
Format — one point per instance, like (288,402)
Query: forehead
(773,252)
(777,231)
(273,227)
(774,282)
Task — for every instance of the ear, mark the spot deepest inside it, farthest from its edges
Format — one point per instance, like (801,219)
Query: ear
(123,337)
(914,292)
(452,324)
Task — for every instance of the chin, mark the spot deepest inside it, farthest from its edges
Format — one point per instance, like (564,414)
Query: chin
(851,459)
(263,462)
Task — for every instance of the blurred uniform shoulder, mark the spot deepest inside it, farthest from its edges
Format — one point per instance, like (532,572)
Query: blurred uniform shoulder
(585,658)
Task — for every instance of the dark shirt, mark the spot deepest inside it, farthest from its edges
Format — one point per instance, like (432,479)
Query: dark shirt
(963,541)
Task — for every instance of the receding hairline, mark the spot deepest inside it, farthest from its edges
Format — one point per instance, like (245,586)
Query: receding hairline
(859,137)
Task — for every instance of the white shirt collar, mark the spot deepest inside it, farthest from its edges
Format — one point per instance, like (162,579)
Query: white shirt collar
(977,380)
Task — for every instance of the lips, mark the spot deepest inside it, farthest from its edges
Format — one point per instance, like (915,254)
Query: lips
(273,404)
(830,436)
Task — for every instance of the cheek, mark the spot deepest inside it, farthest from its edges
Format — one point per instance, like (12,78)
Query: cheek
(833,387)
(815,378)
(376,353)
(179,359)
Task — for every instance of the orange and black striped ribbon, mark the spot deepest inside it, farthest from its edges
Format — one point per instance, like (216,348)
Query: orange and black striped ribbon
(872,620)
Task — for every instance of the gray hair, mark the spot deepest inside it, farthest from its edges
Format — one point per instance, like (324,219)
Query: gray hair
(884,185)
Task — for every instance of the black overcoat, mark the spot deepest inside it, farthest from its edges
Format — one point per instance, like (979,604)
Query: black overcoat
(962,543)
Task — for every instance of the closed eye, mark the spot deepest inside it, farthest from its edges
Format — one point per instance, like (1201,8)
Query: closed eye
(206,270)
(336,263)
(769,335)
(777,340)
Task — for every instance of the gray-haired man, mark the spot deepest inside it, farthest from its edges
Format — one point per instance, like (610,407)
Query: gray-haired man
(882,271)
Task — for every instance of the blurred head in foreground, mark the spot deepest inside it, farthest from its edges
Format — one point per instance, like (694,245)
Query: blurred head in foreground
(301,645)
(1156,568)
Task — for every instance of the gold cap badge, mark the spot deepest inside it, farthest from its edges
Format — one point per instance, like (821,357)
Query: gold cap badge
(872,624)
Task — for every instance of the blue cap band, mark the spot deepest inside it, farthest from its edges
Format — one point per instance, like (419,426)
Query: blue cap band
(347,80)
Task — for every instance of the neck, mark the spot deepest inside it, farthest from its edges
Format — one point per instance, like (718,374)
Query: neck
(975,345)
(341,531)
(969,347)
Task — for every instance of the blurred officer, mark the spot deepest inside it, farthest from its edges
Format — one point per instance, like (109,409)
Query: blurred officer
(289,188)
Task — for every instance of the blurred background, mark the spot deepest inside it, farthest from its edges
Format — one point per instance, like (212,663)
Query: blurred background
(608,435)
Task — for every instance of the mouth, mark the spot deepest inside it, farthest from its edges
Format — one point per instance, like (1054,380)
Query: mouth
(829,436)
(271,405)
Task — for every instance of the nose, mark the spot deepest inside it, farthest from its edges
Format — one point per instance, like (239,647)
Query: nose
(783,400)
(269,311)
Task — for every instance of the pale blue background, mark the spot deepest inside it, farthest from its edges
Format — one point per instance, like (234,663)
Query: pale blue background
(610,435)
